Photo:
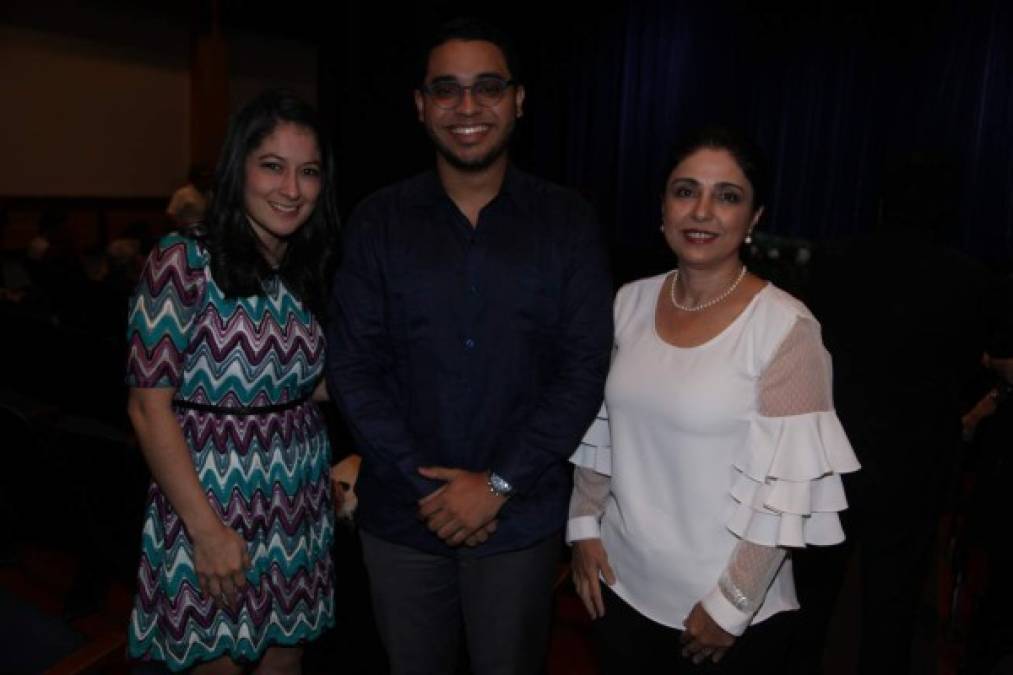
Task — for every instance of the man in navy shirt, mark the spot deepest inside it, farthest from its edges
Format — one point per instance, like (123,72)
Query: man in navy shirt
(468,348)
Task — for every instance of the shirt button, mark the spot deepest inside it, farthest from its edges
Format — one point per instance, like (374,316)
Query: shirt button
(469,344)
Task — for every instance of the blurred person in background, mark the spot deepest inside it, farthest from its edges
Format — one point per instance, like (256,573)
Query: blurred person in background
(188,203)
(903,315)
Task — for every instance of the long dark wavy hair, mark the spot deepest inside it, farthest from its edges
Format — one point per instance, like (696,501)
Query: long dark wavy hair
(237,264)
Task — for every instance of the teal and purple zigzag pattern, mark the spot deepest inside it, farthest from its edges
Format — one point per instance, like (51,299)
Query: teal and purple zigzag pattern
(286,526)
(274,609)
(244,434)
(265,475)
(287,522)
(162,310)
(184,332)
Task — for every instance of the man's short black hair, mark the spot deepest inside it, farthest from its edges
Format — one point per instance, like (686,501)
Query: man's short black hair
(469,28)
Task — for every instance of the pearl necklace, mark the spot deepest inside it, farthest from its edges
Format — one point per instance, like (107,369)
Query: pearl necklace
(709,303)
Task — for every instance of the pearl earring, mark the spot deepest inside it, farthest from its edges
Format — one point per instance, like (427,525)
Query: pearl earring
(749,238)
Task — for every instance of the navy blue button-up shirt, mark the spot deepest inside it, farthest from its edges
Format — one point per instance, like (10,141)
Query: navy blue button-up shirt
(480,348)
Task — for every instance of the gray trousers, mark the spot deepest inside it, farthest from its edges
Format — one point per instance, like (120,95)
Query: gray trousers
(500,604)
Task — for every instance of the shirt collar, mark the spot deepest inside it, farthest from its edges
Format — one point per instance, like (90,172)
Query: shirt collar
(428,191)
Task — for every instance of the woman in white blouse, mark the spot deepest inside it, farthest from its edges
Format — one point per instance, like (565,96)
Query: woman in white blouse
(717,449)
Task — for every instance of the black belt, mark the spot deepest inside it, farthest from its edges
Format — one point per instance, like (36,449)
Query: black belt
(240,409)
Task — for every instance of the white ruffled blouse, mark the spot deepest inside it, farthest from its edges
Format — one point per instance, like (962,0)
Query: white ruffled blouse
(734,440)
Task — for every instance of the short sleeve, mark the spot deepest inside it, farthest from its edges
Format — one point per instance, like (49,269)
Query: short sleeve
(787,487)
(162,311)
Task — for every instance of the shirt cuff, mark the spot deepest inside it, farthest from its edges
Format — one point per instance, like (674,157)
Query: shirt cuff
(724,613)
(582,527)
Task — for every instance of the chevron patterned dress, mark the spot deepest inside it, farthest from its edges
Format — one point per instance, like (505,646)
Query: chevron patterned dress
(265,474)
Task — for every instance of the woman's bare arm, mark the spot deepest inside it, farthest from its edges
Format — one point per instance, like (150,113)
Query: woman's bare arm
(220,555)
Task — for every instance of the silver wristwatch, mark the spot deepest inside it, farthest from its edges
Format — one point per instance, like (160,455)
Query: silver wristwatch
(499,486)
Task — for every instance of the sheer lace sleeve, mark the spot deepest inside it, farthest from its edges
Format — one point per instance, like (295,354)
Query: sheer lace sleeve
(587,504)
(799,378)
(591,480)
(743,585)
(788,484)
(788,487)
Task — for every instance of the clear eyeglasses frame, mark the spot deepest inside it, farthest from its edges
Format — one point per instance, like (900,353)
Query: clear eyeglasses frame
(486,91)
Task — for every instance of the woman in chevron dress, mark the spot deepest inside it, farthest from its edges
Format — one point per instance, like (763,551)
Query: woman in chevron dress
(225,359)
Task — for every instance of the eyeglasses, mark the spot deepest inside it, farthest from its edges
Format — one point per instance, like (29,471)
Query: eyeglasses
(448,94)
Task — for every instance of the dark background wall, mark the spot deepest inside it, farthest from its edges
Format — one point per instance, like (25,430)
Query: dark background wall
(839,93)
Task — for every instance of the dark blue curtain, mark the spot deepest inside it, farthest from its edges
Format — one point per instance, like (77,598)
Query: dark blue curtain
(836,96)
(837,93)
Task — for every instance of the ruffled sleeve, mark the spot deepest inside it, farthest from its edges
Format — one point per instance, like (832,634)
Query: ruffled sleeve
(162,311)
(595,449)
(787,488)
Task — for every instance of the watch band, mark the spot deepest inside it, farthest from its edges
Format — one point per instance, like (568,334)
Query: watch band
(499,486)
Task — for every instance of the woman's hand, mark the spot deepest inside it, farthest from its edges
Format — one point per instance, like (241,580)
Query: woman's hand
(221,559)
(589,560)
(703,638)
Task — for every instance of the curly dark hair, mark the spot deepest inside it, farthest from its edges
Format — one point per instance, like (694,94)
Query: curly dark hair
(468,28)
(746,153)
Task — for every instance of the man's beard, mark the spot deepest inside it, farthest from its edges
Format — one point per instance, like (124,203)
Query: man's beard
(477,163)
